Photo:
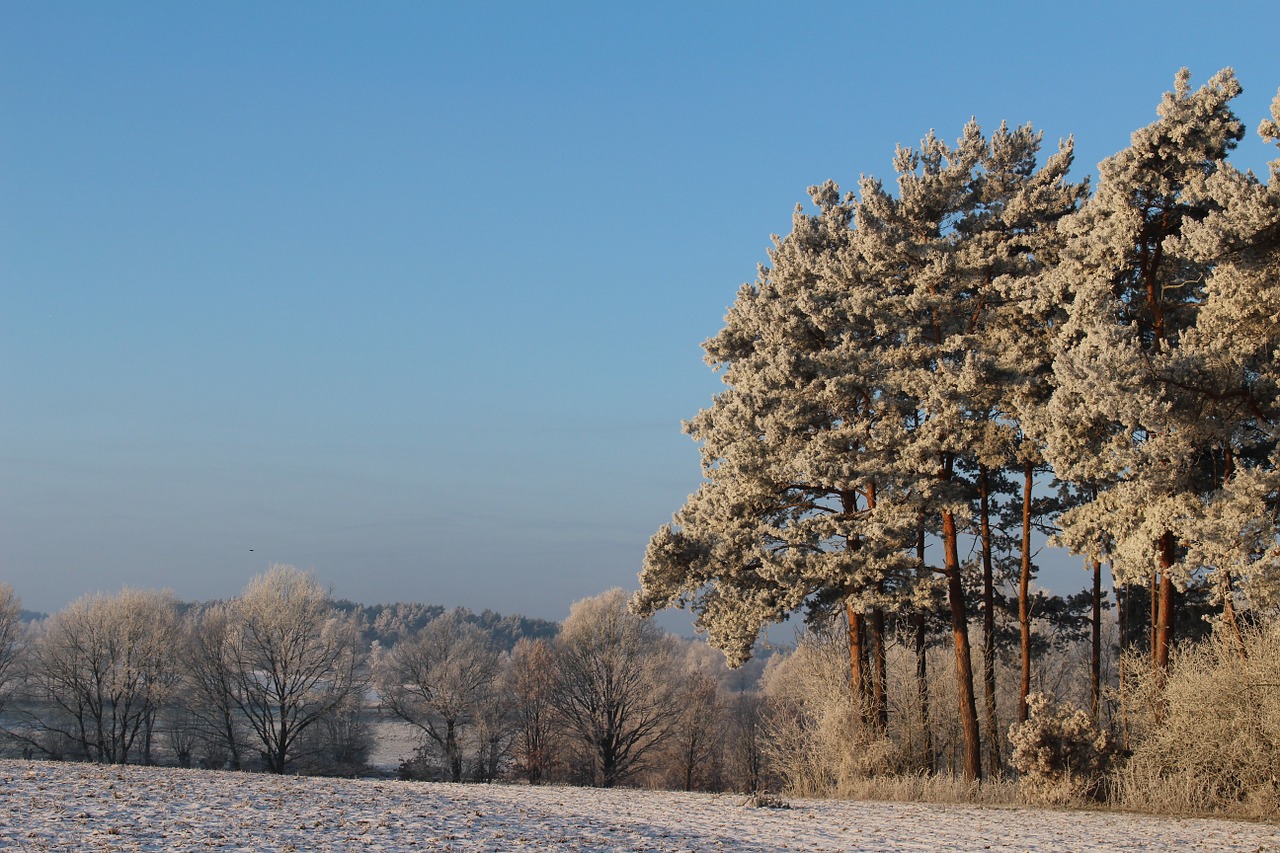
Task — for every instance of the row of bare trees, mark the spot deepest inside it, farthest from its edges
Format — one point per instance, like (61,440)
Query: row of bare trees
(110,677)
(284,679)
(612,699)
(280,679)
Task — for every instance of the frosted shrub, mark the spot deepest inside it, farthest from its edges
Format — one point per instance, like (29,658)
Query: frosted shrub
(1212,742)
(1059,752)
(816,743)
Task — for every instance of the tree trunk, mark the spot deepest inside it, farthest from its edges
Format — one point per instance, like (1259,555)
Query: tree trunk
(1024,591)
(608,765)
(1228,602)
(1229,615)
(988,626)
(964,656)
(879,671)
(452,751)
(232,746)
(857,654)
(1164,629)
(1122,615)
(1154,615)
(1095,657)
(919,621)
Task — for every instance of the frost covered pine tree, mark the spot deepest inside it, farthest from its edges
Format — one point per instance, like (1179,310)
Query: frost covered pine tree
(795,510)
(910,245)
(866,366)
(1006,240)
(1140,411)
(1009,240)
(1235,347)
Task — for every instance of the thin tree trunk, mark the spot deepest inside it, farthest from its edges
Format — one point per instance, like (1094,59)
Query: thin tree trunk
(1153,617)
(232,745)
(1024,591)
(1095,657)
(922,686)
(453,751)
(1165,611)
(1230,617)
(920,623)
(964,656)
(856,619)
(988,625)
(1123,602)
(1228,602)
(879,671)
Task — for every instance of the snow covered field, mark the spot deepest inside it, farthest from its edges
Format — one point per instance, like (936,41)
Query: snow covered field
(49,806)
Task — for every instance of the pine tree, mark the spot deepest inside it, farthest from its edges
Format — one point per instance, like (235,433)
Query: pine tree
(794,512)
(862,380)
(910,244)
(1129,411)
(1234,346)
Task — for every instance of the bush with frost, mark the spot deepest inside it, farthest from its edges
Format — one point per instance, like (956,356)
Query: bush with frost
(1060,753)
(1209,737)
(816,741)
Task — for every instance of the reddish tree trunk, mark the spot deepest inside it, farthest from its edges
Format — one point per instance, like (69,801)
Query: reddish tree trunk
(1024,591)
(857,677)
(988,625)
(920,623)
(1164,625)
(964,656)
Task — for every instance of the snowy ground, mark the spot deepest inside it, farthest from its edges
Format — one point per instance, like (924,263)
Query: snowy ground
(47,806)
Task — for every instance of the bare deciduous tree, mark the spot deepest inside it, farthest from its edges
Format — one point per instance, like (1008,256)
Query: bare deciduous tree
(11,636)
(613,688)
(530,681)
(102,668)
(440,680)
(209,695)
(293,659)
(698,731)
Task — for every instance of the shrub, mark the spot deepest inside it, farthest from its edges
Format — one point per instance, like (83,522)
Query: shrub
(1210,739)
(1060,754)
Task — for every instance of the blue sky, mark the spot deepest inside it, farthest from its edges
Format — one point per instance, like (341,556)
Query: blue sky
(411,294)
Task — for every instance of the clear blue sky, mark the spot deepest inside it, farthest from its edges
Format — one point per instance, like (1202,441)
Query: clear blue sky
(411,294)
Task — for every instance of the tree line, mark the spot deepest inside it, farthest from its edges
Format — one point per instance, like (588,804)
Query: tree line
(282,678)
(921,381)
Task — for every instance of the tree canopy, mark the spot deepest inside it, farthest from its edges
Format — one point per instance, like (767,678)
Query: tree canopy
(903,352)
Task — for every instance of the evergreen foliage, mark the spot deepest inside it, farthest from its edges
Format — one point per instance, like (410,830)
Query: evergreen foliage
(907,356)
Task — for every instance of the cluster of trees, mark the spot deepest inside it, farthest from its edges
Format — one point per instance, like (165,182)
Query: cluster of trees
(611,699)
(133,676)
(992,351)
(284,679)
